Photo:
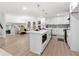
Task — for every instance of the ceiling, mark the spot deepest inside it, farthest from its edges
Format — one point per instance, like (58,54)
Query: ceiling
(47,9)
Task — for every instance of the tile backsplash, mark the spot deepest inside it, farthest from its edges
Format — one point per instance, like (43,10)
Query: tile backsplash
(57,25)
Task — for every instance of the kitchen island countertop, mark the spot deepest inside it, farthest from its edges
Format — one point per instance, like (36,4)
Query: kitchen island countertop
(38,32)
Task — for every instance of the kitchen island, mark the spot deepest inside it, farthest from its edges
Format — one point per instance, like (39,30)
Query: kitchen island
(39,40)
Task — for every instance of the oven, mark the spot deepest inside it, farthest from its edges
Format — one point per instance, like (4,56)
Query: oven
(44,38)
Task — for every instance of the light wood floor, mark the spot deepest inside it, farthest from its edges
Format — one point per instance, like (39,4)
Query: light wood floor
(16,45)
(19,46)
(58,48)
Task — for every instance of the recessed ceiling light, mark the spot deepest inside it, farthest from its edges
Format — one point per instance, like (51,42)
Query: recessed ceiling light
(43,10)
(24,8)
(38,5)
(46,13)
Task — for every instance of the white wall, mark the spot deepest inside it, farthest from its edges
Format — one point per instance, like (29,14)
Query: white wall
(58,20)
(3,22)
(74,33)
(10,18)
(23,20)
(0,28)
(15,18)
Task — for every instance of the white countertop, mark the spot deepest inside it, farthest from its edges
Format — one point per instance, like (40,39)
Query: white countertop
(38,32)
(49,28)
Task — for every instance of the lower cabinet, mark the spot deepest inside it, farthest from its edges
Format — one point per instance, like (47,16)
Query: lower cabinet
(38,41)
